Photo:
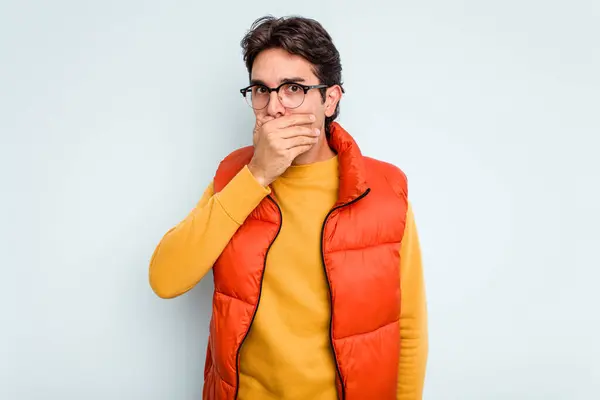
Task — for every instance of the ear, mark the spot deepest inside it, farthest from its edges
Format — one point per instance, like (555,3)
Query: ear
(333,96)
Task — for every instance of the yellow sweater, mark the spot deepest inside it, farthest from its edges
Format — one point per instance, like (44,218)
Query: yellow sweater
(287,354)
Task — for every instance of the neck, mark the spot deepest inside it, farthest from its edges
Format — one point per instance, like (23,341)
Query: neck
(319,152)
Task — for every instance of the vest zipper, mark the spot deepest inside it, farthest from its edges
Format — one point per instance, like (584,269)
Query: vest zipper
(337,365)
(237,357)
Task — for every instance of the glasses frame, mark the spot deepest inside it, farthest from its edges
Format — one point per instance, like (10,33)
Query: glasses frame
(305,88)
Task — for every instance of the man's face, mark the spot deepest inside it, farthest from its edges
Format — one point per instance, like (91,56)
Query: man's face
(273,67)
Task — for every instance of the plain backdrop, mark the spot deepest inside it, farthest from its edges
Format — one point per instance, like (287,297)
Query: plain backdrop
(114,115)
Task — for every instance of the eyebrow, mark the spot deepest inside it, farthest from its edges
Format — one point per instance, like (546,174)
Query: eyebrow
(284,80)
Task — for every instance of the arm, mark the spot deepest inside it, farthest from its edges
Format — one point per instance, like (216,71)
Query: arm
(187,251)
(413,316)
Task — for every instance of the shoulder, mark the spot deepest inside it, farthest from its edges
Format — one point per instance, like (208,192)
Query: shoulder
(388,174)
(241,155)
(231,165)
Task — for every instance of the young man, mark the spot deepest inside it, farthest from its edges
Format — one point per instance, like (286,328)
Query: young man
(319,289)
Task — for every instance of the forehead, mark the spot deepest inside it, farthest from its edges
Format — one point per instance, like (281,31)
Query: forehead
(273,66)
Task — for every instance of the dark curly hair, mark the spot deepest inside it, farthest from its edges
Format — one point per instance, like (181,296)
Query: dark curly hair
(300,36)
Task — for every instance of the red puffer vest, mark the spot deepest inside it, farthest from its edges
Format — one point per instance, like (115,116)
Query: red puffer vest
(360,246)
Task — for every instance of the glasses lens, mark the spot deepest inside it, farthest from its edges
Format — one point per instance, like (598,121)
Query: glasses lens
(257,97)
(291,95)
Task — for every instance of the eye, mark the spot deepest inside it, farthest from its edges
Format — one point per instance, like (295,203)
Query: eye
(260,90)
(294,88)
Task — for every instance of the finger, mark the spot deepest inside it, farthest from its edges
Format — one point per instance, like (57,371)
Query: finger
(294,131)
(260,122)
(300,141)
(296,151)
(294,119)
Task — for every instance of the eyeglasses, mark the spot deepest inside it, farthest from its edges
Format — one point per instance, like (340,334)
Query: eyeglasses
(290,94)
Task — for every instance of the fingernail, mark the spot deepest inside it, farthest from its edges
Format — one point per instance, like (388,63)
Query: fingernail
(312,117)
(318,131)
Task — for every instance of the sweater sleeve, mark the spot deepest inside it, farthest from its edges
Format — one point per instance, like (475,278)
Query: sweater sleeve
(188,250)
(413,316)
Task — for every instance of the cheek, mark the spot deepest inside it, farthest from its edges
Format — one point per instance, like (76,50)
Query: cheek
(312,104)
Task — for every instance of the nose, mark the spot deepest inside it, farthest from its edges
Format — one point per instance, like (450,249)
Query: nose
(275,108)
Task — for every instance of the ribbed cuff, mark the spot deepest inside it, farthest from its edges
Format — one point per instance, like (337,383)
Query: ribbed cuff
(241,195)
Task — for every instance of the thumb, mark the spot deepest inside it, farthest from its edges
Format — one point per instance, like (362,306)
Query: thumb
(261,121)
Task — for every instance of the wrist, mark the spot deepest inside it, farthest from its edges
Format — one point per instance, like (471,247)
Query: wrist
(258,175)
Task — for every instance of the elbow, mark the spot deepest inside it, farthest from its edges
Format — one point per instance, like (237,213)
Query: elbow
(170,276)
(160,283)
(162,291)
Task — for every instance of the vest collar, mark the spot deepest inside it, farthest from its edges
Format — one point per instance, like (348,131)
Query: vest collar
(353,182)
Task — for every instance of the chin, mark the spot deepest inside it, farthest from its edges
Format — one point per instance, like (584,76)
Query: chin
(309,156)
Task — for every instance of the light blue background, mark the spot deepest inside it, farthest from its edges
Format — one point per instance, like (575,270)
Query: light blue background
(114,115)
